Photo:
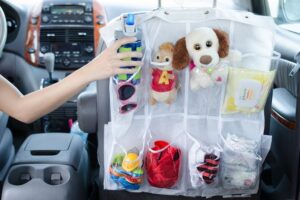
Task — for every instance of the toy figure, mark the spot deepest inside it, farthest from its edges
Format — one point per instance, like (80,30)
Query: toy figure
(131,161)
(126,170)
(163,85)
(208,49)
(163,167)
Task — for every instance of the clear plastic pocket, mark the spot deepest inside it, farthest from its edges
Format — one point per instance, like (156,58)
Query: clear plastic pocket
(163,162)
(129,88)
(239,178)
(126,169)
(249,84)
(164,157)
(204,166)
(124,157)
(241,159)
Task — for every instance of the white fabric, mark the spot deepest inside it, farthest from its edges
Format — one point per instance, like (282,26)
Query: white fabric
(194,118)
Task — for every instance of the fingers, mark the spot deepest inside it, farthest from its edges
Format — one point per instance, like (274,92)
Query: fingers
(125,71)
(129,63)
(133,54)
(123,41)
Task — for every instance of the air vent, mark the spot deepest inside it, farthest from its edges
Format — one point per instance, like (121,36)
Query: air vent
(64,113)
(53,35)
(81,35)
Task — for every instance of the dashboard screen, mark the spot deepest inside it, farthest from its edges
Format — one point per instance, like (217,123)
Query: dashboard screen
(61,47)
(67,9)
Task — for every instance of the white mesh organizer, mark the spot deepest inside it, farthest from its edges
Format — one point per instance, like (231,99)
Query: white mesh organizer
(194,118)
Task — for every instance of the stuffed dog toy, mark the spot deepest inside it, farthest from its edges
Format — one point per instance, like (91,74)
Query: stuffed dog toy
(203,49)
(163,85)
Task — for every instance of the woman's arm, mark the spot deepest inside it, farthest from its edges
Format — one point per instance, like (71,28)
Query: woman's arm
(36,104)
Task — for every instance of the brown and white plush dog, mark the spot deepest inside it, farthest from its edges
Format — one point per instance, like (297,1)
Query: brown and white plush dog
(202,50)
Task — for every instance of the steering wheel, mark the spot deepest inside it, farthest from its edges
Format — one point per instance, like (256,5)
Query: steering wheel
(3,31)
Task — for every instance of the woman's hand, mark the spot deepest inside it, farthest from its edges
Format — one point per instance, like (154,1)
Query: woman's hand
(109,62)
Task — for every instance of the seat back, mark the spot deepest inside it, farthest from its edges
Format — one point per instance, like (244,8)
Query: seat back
(7,150)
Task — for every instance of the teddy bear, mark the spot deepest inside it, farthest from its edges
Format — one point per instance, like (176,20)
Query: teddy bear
(163,84)
(206,51)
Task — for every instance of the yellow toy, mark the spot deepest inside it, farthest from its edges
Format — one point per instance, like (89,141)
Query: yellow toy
(131,161)
(247,90)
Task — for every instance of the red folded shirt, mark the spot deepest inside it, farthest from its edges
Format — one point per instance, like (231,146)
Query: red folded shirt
(163,167)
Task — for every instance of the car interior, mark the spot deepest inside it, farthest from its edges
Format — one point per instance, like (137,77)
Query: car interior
(61,155)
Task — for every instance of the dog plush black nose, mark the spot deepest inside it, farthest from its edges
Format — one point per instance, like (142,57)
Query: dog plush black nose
(205,59)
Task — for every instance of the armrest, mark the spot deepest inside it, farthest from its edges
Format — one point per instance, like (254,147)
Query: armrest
(87,111)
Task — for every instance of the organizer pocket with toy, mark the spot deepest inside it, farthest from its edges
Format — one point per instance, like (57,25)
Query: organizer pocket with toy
(190,122)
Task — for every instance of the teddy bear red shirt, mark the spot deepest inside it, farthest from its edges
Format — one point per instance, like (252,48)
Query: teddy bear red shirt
(163,80)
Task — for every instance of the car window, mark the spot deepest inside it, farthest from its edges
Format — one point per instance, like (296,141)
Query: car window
(286,13)
(152,4)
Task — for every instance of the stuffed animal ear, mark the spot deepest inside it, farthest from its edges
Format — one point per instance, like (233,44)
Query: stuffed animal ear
(223,42)
(181,56)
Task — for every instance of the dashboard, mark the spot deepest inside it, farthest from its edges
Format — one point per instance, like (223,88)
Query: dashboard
(69,30)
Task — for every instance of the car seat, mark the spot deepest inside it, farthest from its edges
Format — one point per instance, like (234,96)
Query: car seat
(7,150)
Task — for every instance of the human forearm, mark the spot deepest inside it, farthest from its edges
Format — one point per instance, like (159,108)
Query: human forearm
(36,104)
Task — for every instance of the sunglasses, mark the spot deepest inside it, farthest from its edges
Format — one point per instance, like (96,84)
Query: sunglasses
(126,95)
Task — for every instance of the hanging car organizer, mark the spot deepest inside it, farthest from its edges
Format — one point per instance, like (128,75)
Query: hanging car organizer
(194,121)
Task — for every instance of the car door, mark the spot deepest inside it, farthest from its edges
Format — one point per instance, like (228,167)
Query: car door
(280,174)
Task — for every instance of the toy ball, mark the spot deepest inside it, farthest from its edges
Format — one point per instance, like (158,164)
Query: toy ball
(130,162)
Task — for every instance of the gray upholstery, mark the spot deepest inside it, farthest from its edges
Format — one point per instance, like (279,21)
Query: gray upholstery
(49,166)
(283,80)
(284,103)
(103,118)
(7,150)
(51,148)
(87,111)
(3,122)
